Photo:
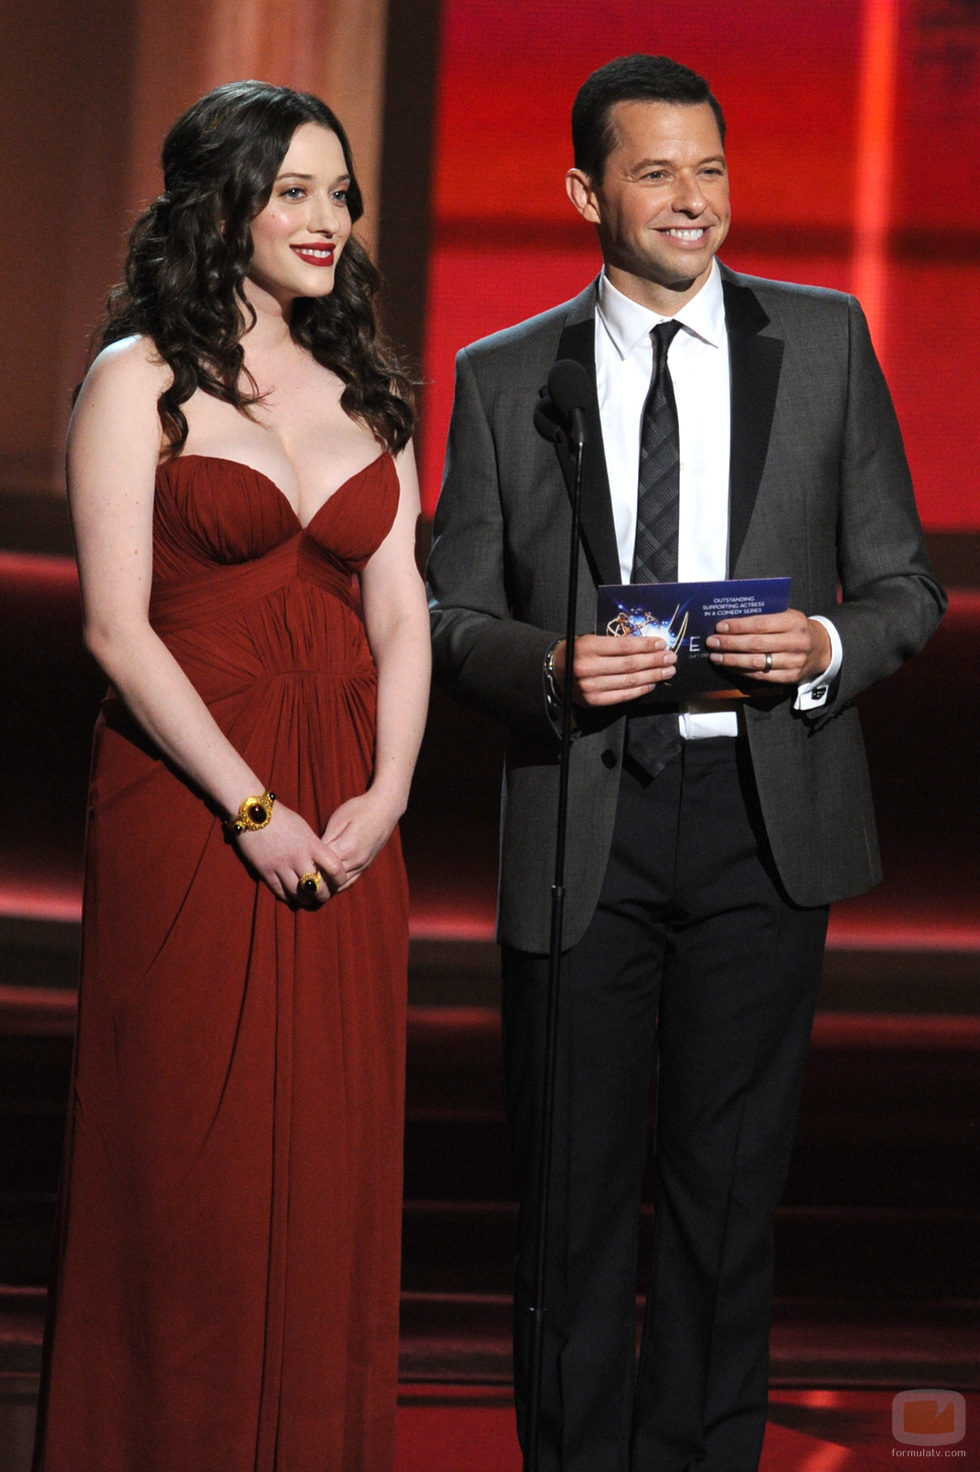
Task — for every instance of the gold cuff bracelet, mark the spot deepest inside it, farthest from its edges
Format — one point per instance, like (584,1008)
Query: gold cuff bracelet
(253,814)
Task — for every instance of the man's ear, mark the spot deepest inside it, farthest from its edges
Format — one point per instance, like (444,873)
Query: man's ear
(582,195)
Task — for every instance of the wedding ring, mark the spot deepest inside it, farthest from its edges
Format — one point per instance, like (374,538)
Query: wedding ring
(310,883)
(768,663)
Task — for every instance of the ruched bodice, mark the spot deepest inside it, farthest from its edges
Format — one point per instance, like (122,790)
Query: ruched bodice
(228,1270)
(212,513)
(226,538)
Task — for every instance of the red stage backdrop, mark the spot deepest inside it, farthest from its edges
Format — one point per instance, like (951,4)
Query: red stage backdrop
(853,131)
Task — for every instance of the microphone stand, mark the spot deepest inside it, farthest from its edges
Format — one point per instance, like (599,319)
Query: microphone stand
(547,1106)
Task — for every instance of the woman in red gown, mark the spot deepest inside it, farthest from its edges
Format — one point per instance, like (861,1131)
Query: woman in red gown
(244,503)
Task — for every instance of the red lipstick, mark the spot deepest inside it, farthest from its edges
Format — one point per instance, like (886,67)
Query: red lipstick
(315,255)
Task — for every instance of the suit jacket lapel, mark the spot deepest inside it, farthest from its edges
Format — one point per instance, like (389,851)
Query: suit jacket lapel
(597,528)
(755,367)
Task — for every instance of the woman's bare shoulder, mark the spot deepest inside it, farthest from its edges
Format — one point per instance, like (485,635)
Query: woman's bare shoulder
(117,403)
(132,365)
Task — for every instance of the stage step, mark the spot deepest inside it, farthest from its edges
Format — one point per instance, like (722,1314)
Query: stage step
(466,1338)
(821,1342)
(882,1197)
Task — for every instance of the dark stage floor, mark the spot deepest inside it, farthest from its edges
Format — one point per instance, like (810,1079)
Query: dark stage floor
(809,1431)
(471,1429)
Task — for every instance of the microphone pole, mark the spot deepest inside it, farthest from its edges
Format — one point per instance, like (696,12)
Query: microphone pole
(568,390)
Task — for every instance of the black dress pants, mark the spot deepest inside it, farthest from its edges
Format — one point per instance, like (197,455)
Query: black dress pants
(698,977)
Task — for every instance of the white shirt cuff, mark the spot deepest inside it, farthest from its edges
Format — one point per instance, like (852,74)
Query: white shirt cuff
(812,694)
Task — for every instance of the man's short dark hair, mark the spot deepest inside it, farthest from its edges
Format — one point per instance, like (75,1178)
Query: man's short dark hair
(636,78)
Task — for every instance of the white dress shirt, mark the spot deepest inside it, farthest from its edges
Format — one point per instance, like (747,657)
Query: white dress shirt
(699,371)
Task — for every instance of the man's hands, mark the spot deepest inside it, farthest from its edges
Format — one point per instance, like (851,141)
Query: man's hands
(610,669)
(799,647)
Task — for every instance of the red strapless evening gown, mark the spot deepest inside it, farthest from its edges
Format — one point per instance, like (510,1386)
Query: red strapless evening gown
(227,1281)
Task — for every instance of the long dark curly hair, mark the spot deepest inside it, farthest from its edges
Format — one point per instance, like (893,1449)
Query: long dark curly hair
(189,255)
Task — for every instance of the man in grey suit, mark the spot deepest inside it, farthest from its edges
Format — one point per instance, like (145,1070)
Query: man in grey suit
(699,878)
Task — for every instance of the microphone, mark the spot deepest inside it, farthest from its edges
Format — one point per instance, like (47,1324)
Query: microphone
(546,420)
(562,406)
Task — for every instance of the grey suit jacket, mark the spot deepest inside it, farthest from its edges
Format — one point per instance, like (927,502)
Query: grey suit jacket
(819,491)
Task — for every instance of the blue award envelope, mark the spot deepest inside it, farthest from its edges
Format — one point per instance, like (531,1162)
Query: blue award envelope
(684,614)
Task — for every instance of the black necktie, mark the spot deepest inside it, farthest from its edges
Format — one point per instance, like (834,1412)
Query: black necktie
(654,740)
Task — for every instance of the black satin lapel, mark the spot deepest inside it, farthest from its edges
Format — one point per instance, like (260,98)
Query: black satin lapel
(755,367)
(597,527)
